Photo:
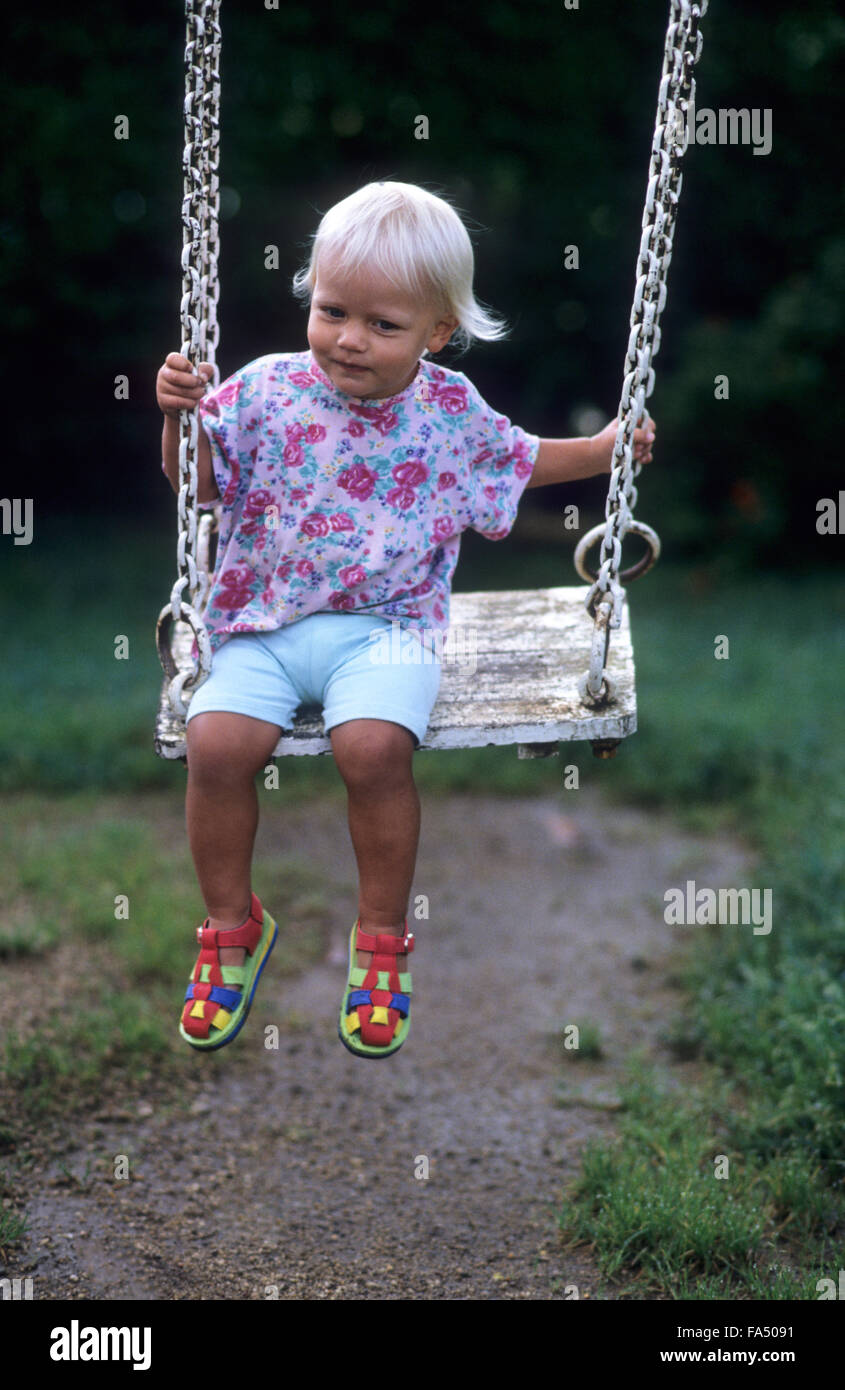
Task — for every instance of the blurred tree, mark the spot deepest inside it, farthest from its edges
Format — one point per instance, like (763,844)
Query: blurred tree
(540,123)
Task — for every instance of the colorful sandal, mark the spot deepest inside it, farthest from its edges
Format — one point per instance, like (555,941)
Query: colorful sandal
(375,1016)
(214,1015)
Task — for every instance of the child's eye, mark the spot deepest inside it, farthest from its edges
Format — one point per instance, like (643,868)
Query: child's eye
(333,311)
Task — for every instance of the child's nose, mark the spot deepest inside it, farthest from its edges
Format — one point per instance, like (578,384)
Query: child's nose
(351,335)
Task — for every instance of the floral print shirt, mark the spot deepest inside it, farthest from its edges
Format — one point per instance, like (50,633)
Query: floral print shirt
(331,503)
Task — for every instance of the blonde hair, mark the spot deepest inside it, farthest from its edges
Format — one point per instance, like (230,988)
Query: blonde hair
(417,240)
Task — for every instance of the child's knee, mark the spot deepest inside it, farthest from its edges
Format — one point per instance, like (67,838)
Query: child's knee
(372,751)
(224,747)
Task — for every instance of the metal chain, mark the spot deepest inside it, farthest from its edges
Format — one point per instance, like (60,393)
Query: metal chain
(677,91)
(209,282)
(200,329)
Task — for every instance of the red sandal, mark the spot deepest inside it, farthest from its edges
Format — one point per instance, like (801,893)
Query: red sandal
(375,1015)
(214,1015)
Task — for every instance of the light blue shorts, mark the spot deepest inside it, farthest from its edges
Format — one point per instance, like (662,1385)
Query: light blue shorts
(326,659)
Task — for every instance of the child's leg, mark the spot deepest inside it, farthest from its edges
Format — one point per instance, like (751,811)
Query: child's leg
(374,758)
(225,751)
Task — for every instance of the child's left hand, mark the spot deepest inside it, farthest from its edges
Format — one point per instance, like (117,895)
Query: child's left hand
(603,444)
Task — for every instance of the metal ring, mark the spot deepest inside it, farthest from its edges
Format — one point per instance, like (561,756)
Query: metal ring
(594,688)
(164,626)
(606,696)
(637,528)
(174,693)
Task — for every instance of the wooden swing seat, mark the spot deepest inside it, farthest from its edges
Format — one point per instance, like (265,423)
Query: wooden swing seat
(512,664)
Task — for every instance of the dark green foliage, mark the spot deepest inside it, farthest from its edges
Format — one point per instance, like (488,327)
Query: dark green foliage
(540,131)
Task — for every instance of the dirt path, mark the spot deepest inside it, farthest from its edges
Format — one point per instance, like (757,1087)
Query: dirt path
(293,1173)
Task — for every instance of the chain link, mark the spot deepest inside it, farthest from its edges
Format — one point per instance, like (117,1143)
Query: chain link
(200,329)
(210,283)
(676,93)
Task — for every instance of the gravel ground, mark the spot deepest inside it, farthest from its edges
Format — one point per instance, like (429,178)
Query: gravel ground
(299,1172)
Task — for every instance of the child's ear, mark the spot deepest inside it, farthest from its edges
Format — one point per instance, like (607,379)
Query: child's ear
(444,332)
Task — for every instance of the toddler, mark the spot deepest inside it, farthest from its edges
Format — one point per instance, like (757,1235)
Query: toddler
(346,474)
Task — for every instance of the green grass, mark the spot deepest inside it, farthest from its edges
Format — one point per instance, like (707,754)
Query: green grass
(671,1210)
(13,1228)
(674,1208)
(754,744)
(68,865)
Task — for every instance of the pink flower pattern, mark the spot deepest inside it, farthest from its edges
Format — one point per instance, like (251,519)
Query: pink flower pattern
(359,481)
(368,499)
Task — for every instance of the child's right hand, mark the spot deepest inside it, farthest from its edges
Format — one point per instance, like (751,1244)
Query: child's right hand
(177,386)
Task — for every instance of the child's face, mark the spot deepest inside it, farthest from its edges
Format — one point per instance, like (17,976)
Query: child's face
(367,335)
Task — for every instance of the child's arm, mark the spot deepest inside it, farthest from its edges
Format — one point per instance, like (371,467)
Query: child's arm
(564,460)
(178,388)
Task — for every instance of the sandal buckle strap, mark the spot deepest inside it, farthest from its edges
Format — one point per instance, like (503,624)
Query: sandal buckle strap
(248,934)
(383,944)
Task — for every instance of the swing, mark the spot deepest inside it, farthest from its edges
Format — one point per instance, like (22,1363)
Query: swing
(532,667)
